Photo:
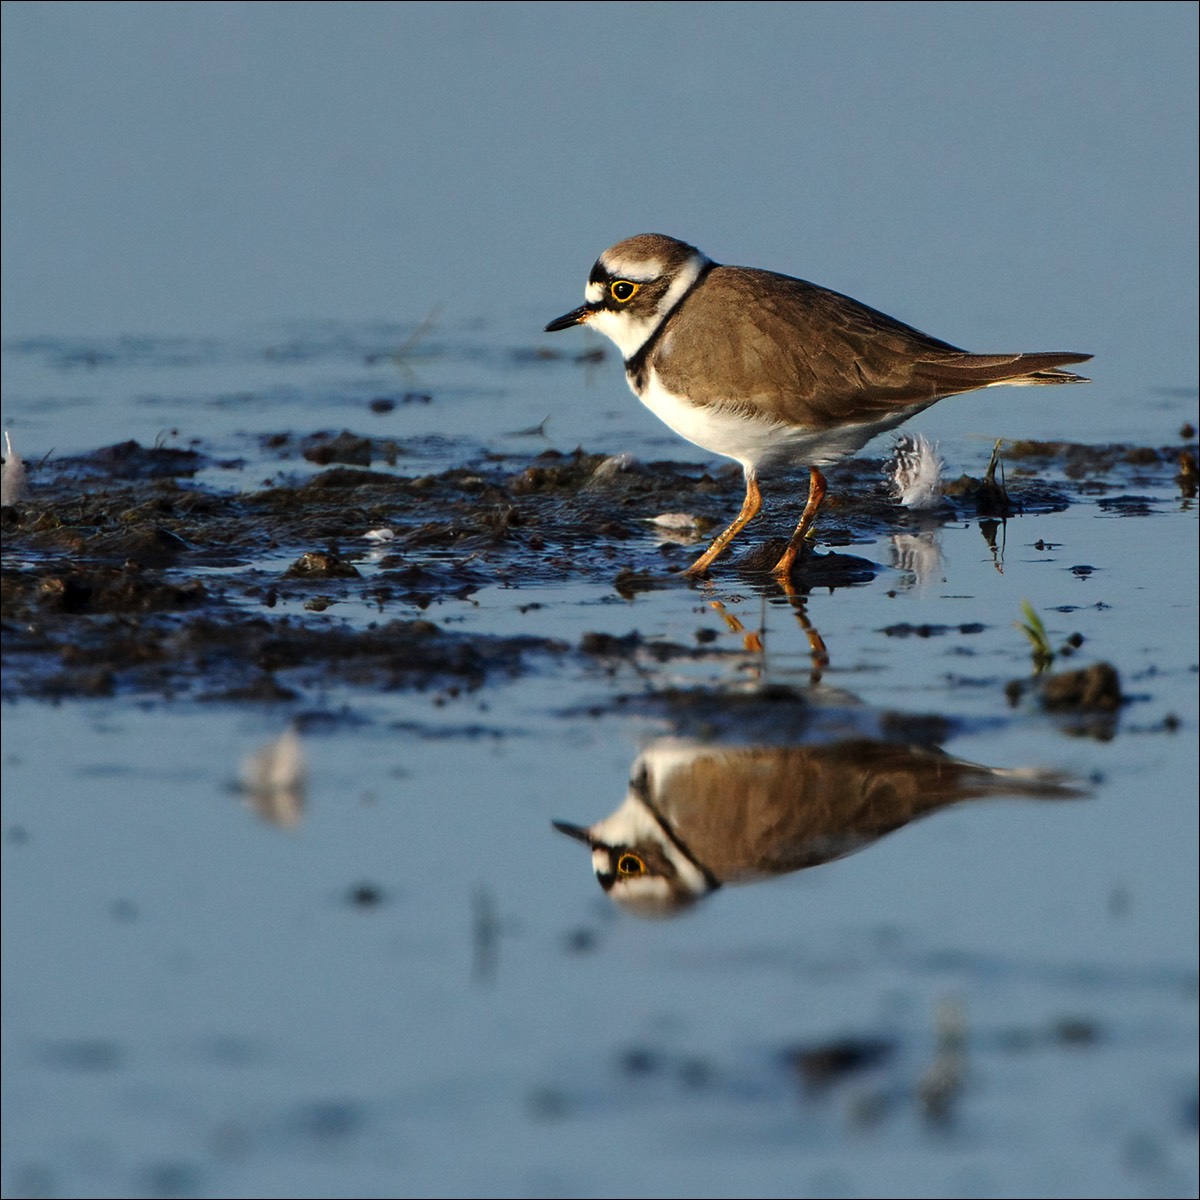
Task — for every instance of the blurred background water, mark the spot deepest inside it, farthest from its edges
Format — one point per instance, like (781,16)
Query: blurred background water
(225,220)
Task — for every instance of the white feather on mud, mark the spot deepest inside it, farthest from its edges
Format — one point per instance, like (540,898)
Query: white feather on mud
(12,479)
(916,475)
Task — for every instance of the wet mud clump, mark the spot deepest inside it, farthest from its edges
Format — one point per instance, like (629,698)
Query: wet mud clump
(121,572)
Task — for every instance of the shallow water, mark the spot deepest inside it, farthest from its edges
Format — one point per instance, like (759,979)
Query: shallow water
(416,986)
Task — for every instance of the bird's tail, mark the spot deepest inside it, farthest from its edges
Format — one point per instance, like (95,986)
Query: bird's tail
(964,372)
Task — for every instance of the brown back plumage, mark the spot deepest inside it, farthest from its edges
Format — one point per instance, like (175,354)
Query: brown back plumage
(751,811)
(817,358)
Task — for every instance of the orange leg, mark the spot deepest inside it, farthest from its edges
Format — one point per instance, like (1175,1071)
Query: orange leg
(750,641)
(750,507)
(816,493)
(818,652)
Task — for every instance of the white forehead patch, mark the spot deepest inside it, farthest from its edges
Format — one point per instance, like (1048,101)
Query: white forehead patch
(650,896)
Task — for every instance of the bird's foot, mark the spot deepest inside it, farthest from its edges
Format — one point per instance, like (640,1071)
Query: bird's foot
(797,549)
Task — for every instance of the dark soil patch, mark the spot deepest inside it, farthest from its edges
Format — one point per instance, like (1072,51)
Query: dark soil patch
(122,574)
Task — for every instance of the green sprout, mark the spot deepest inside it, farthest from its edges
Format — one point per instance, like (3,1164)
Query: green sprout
(1035,631)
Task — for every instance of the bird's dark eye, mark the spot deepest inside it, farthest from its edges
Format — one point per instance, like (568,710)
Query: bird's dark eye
(630,864)
(623,291)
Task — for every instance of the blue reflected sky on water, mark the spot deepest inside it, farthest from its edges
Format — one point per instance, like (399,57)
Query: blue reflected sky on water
(197,1009)
(1004,173)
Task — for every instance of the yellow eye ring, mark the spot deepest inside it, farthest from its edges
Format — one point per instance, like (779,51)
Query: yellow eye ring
(623,290)
(630,864)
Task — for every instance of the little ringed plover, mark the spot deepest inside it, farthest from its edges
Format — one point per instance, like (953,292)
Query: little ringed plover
(770,370)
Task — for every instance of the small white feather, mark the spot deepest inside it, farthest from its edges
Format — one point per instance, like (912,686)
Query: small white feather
(12,481)
(917,474)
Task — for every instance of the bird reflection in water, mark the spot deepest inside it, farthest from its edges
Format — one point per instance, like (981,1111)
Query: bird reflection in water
(699,815)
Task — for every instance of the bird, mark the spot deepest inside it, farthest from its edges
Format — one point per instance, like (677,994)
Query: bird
(774,371)
(699,815)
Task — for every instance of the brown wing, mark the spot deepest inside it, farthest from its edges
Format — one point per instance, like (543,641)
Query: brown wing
(769,810)
(818,357)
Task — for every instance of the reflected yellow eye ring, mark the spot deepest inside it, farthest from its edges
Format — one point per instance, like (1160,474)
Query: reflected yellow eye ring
(630,864)
(623,290)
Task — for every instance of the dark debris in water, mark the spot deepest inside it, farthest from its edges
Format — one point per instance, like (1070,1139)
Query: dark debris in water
(865,1078)
(345,447)
(826,1063)
(110,559)
(777,714)
(131,460)
(1090,689)
(1094,688)
(226,654)
(1088,700)
(905,629)
(366,895)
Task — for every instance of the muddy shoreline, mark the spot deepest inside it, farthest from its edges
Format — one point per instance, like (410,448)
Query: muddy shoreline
(123,575)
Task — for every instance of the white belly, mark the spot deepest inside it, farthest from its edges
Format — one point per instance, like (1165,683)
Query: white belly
(756,442)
